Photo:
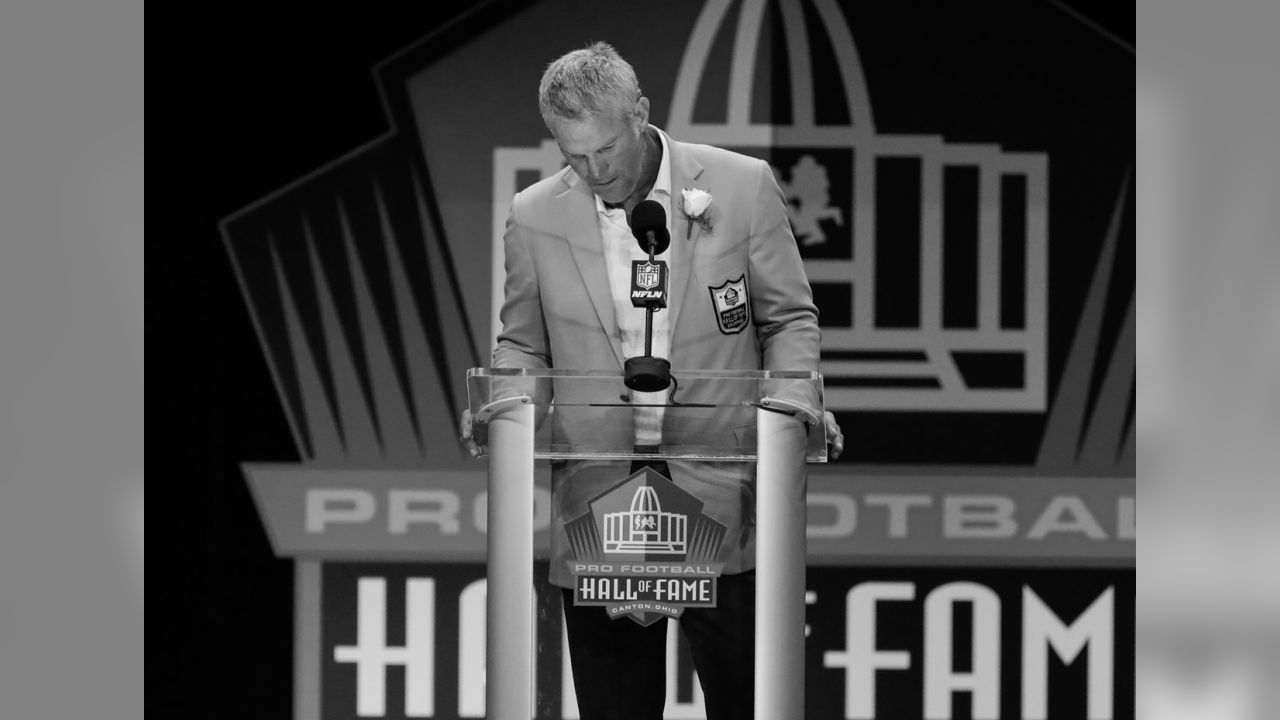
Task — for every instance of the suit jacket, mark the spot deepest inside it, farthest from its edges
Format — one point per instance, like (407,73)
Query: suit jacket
(559,312)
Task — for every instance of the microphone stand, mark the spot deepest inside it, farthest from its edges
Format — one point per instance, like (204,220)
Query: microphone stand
(648,373)
(649,307)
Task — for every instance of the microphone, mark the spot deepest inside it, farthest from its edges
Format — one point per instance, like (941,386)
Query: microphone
(649,290)
(649,279)
(649,226)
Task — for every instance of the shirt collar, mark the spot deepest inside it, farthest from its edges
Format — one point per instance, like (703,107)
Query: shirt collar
(662,184)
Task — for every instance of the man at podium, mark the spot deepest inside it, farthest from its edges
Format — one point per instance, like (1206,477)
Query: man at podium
(737,299)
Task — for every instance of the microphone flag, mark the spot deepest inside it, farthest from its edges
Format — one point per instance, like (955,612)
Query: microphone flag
(649,283)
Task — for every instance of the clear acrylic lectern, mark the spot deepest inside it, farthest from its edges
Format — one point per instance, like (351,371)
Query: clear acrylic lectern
(771,419)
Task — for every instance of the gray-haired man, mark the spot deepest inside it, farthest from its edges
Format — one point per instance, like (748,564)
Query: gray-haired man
(568,253)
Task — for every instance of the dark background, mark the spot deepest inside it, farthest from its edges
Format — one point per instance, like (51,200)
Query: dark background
(243,98)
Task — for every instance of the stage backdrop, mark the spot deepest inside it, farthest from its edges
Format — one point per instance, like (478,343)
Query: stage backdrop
(959,180)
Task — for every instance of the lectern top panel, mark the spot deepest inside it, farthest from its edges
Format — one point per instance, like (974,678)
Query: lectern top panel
(731,375)
(591,414)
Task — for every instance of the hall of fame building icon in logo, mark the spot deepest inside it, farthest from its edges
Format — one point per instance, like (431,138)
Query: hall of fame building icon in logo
(928,258)
(645,527)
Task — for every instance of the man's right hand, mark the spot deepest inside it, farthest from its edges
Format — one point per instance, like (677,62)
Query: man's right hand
(467,438)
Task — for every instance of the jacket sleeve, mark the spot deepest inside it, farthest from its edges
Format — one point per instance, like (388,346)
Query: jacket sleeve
(523,340)
(786,319)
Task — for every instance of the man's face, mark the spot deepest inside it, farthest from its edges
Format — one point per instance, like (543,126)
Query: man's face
(607,150)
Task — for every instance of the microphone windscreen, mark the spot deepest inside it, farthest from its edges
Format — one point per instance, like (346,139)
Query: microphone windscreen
(648,216)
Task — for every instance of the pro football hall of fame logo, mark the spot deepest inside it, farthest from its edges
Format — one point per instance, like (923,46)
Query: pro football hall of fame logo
(644,550)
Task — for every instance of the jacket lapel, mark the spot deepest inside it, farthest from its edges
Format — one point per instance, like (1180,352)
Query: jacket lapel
(582,230)
(685,171)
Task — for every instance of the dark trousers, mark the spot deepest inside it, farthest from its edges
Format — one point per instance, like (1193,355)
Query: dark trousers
(619,666)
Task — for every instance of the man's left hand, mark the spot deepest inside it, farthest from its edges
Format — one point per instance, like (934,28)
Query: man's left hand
(835,438)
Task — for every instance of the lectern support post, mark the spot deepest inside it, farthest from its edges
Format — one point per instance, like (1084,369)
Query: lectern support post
(509,644)
(780,566)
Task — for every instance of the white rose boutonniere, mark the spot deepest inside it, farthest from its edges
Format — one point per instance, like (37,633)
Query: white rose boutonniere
(696,204)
